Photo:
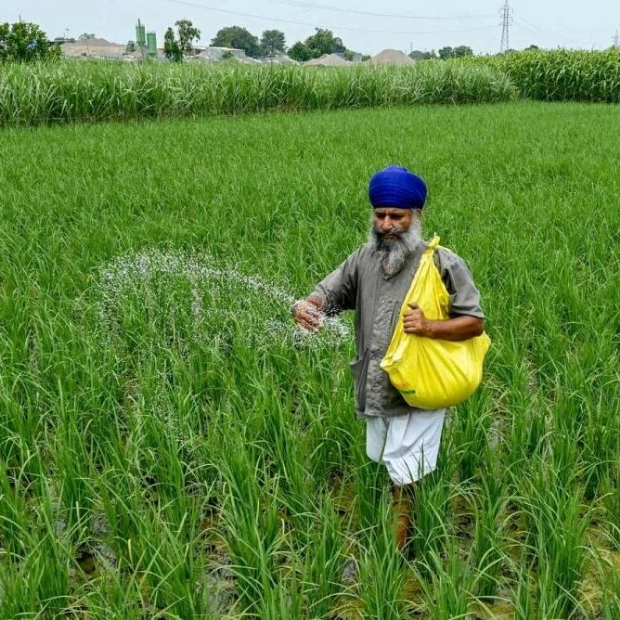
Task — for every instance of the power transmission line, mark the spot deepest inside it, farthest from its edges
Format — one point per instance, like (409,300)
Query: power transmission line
(313,25)
(506,13)
(325,7)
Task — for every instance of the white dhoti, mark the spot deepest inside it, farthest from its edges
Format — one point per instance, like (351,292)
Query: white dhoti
(408,445)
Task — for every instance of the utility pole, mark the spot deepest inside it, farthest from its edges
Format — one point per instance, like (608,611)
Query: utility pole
(506,14)
(616,40)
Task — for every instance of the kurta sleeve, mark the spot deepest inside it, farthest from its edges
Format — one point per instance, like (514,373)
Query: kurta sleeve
(464,296)
(339,289)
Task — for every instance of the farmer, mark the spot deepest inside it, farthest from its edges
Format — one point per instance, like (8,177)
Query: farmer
(374,281)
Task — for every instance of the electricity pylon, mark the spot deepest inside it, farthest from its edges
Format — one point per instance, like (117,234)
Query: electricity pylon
(506,13)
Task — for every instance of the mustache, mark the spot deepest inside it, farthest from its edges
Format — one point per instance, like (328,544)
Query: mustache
(395,232)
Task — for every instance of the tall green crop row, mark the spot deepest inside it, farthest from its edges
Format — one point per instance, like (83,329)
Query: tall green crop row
(74,91)
(565,75)
(97,91)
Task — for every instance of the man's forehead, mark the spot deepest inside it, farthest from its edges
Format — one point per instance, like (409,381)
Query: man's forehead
(390,211)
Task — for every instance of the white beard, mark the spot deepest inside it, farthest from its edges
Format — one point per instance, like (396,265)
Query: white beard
(394,253)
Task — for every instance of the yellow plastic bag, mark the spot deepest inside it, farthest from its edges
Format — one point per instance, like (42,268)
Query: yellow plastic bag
(430,373)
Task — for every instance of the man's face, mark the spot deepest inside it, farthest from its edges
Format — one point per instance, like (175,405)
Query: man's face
(395,234)
(389,222)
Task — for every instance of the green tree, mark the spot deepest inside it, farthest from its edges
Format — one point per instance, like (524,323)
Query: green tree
(86,36)
(238,38)
(25,42)
(300,52)
(181,43)
(272,42)
(172,49)
(188,33)
(323,42)
(445,53)
(462,50)
(418,55)
(455,52)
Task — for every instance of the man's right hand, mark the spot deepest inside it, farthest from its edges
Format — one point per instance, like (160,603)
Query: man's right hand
(308,314)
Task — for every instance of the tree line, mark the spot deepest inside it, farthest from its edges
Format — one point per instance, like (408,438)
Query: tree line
(179,41)
(273,43)
(23,41)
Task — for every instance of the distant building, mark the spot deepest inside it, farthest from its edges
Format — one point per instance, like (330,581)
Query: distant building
(99,48)
(195,51)
(356,57)
(220,53)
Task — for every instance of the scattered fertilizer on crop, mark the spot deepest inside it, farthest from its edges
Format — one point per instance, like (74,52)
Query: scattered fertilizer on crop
(192,296)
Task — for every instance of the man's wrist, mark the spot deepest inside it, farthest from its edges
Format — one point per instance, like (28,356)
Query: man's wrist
(430,328)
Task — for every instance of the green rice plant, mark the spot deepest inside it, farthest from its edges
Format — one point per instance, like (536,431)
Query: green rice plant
(487,552)
(556,527)
(524,598)
(76,494)
(610,592)
(72,462)
(123,501)
(37,578)
(430,526)
(611,504)
(324,560)
(325,441)
(14,515)
(598,450)
(252,530)
(446,581)
(433,497)
(470,434)
(528,433)
(173,567)
(370,483)
(117,596)
(381,568)
(159,458)
(21,426)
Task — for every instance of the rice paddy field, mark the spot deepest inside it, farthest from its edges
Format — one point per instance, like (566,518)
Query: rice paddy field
(171,447)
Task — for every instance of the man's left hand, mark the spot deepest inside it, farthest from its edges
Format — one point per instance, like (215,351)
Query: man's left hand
(415,322)
(454,329)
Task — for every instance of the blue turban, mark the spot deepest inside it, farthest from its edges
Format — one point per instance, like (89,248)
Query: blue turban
(397,187)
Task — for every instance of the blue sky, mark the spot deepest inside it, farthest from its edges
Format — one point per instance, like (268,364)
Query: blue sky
(366,26)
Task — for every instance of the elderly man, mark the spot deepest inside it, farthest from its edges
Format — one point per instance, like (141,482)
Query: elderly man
(374,281)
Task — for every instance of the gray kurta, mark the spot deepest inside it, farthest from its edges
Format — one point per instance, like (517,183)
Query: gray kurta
(360,284)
